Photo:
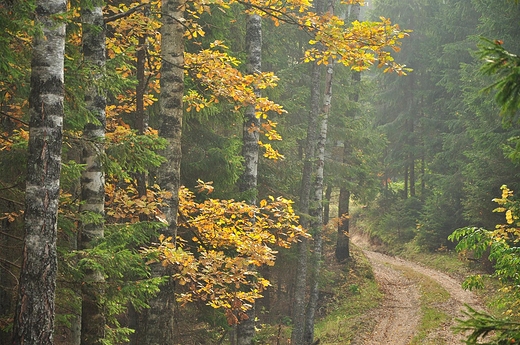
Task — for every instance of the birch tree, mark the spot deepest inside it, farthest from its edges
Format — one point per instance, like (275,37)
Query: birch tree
(158,325)
(250,149)
(316,209)
(34,316)
(298,332)
(93,179)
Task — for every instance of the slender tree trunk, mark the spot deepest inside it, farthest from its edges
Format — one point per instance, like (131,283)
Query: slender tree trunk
(141,116)
(251,135)
(342,252)
(412,159)
(141,123)
(299,309)
(299,306)
(249,180)
(157,327)
(343,242)
(34,316)
(317,203)
(423,175)
(93,179)
(326,205)
(406,179)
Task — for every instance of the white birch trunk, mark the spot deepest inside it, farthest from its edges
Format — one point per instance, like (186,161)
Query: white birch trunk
(316,211)
(93,179)
(249,179)
(157,327)
(34,316)
(297,336)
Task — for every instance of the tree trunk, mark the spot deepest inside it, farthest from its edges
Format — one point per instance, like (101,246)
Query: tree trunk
(249,180)
(158,322)
(343,242)
(412,159)
(423,175)
(141,116)
(317,203)
(300,287)
(405,192)
(342,252)
(326,205)
(34,316)
(251,135)
(93,179)
(311,144)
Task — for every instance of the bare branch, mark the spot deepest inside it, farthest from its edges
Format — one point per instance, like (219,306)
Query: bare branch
(11,236)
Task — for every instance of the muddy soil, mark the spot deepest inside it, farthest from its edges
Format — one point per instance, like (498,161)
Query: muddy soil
(397,318)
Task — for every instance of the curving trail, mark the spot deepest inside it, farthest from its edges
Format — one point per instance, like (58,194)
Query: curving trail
(397,319)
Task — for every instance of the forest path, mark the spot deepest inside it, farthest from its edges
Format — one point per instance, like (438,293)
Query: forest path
(398,318)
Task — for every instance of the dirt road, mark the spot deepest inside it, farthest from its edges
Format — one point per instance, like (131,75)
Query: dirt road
(399,316)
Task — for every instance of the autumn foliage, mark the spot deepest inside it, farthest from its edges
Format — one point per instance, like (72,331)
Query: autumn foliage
(219,242)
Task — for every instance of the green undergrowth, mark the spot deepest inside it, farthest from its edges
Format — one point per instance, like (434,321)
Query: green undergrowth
(354,295)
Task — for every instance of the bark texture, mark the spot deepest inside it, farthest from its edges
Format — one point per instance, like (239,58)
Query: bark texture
(93,179)
(34,316)
(316,211)
(251,135)
(249,180)
(157,327)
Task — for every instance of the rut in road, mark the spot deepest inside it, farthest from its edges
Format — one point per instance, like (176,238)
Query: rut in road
(399,316)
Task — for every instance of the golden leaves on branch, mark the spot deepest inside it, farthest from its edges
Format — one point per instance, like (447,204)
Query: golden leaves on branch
(220,241)
(507,205)
(360,45)
(125,204)
(216,71)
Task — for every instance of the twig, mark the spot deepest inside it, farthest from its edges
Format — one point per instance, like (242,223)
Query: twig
(11,236)
(13,118)
(10,263)
(13,201)
(10,187)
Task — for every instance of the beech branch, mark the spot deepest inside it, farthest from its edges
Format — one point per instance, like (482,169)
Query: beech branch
(124,14)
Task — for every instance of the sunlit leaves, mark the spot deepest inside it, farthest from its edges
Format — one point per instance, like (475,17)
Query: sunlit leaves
(227,238)
(125,204)
(502,244)
(217,72)
(360,45)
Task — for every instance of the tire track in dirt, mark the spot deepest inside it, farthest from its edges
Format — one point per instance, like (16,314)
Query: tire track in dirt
(397,319)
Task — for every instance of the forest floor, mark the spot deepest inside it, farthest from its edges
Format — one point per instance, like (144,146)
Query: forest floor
(409,299)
